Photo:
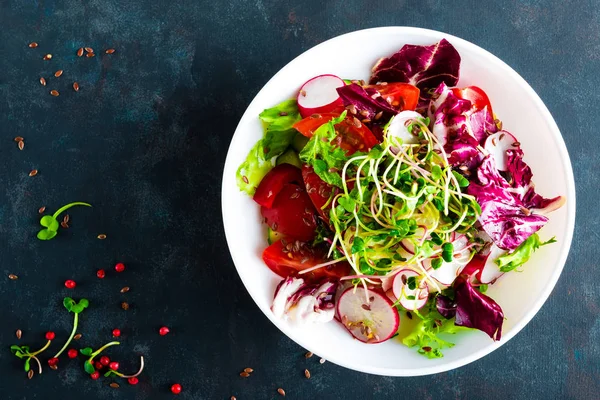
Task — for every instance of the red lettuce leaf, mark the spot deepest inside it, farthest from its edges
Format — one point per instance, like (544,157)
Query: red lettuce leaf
(367,101)
(445,306)
(525,189)
(503,216)
(476,310)
(423,66)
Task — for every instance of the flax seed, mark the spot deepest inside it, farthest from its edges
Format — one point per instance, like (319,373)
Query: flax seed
(308,355)
(114,385)
(54,93)
(357,122)
(110,51)
(48,57)
(54,367)
(77,337)
(58,73)
(33,172)
(42,209)
(125,289)
(89,49)
(89,55)
(303,93)
(76,86)
(33,45)
(281,392)
(18,334)
(244,374)
(80,52)
(307,374)
(21,145)
(378,115)
(43,81)
(102,236)
(30,374)
(64,224)
(18,139)
(125,306)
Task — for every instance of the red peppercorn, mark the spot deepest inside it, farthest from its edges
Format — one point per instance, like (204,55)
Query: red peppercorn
(176,388)
(50,335)
(163,331)
(133,380)
(104,360)
(101,273)
(98,365)
(53,361)
(116,332)
(113,365)
(70,284)
(120,267)
(95,375)
(72,353)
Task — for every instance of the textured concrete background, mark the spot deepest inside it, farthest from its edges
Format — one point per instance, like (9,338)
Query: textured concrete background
(144,140)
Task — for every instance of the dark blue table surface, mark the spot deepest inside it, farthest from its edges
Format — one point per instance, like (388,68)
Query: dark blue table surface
(144,140)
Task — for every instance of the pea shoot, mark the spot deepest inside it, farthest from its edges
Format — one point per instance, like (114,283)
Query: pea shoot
(76,308)
(51,224)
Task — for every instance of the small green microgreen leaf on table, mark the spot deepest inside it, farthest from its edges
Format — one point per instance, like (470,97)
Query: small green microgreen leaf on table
(51,224)
(23,352)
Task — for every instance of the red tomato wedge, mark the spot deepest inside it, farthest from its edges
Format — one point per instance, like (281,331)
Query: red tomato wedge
(318,190)
(476,96)
(284,262)
(273,182)
(292,213)
(402,96)
(352,137)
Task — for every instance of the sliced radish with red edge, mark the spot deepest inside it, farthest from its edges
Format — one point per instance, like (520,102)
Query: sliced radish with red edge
(368,315)
(319,95)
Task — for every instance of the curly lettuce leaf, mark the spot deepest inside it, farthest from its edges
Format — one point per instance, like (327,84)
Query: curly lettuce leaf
(425,334)
(509,261)
(279,133)
(325,158)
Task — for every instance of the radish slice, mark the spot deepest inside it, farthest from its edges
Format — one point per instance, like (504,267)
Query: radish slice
(319,95)
(496,144)
(410,298)
(448,271)
(374,321)
(491,270)
(398,127)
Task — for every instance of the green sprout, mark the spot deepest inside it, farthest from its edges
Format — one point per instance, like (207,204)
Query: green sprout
(88,366)
(23,353)
(51,224)
(76,308)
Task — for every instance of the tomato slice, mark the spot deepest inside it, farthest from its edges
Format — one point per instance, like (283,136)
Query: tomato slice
(287,258)
(273,182)
(352,138)
(476,96)
(292,213)
(318,190)
(402,96)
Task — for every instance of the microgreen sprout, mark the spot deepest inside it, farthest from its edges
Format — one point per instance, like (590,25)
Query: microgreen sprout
(88,366)
(51,224)
(112,372)
(76,308)
(23,353)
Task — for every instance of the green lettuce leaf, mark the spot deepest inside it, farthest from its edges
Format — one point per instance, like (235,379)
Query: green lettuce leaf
(326,158)
(279,133)
(425,334)
(521,255)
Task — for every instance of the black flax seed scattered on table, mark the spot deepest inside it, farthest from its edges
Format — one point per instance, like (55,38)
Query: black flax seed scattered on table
(307,374)
(77,337)
(308,355)
(110,51)
(244,374)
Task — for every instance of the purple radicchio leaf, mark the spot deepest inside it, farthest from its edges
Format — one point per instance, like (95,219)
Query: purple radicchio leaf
(521,176)
(423,66)
(476,310)
(448,114)
(368,101)
(445,306)
(482,124)
(503,216)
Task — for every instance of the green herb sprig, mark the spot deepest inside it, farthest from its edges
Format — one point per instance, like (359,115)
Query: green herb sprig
(51,224)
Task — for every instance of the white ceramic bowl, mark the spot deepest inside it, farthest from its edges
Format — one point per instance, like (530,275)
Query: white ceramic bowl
(520,295)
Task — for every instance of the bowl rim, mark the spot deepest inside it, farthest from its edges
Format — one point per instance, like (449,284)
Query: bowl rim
(570,217)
